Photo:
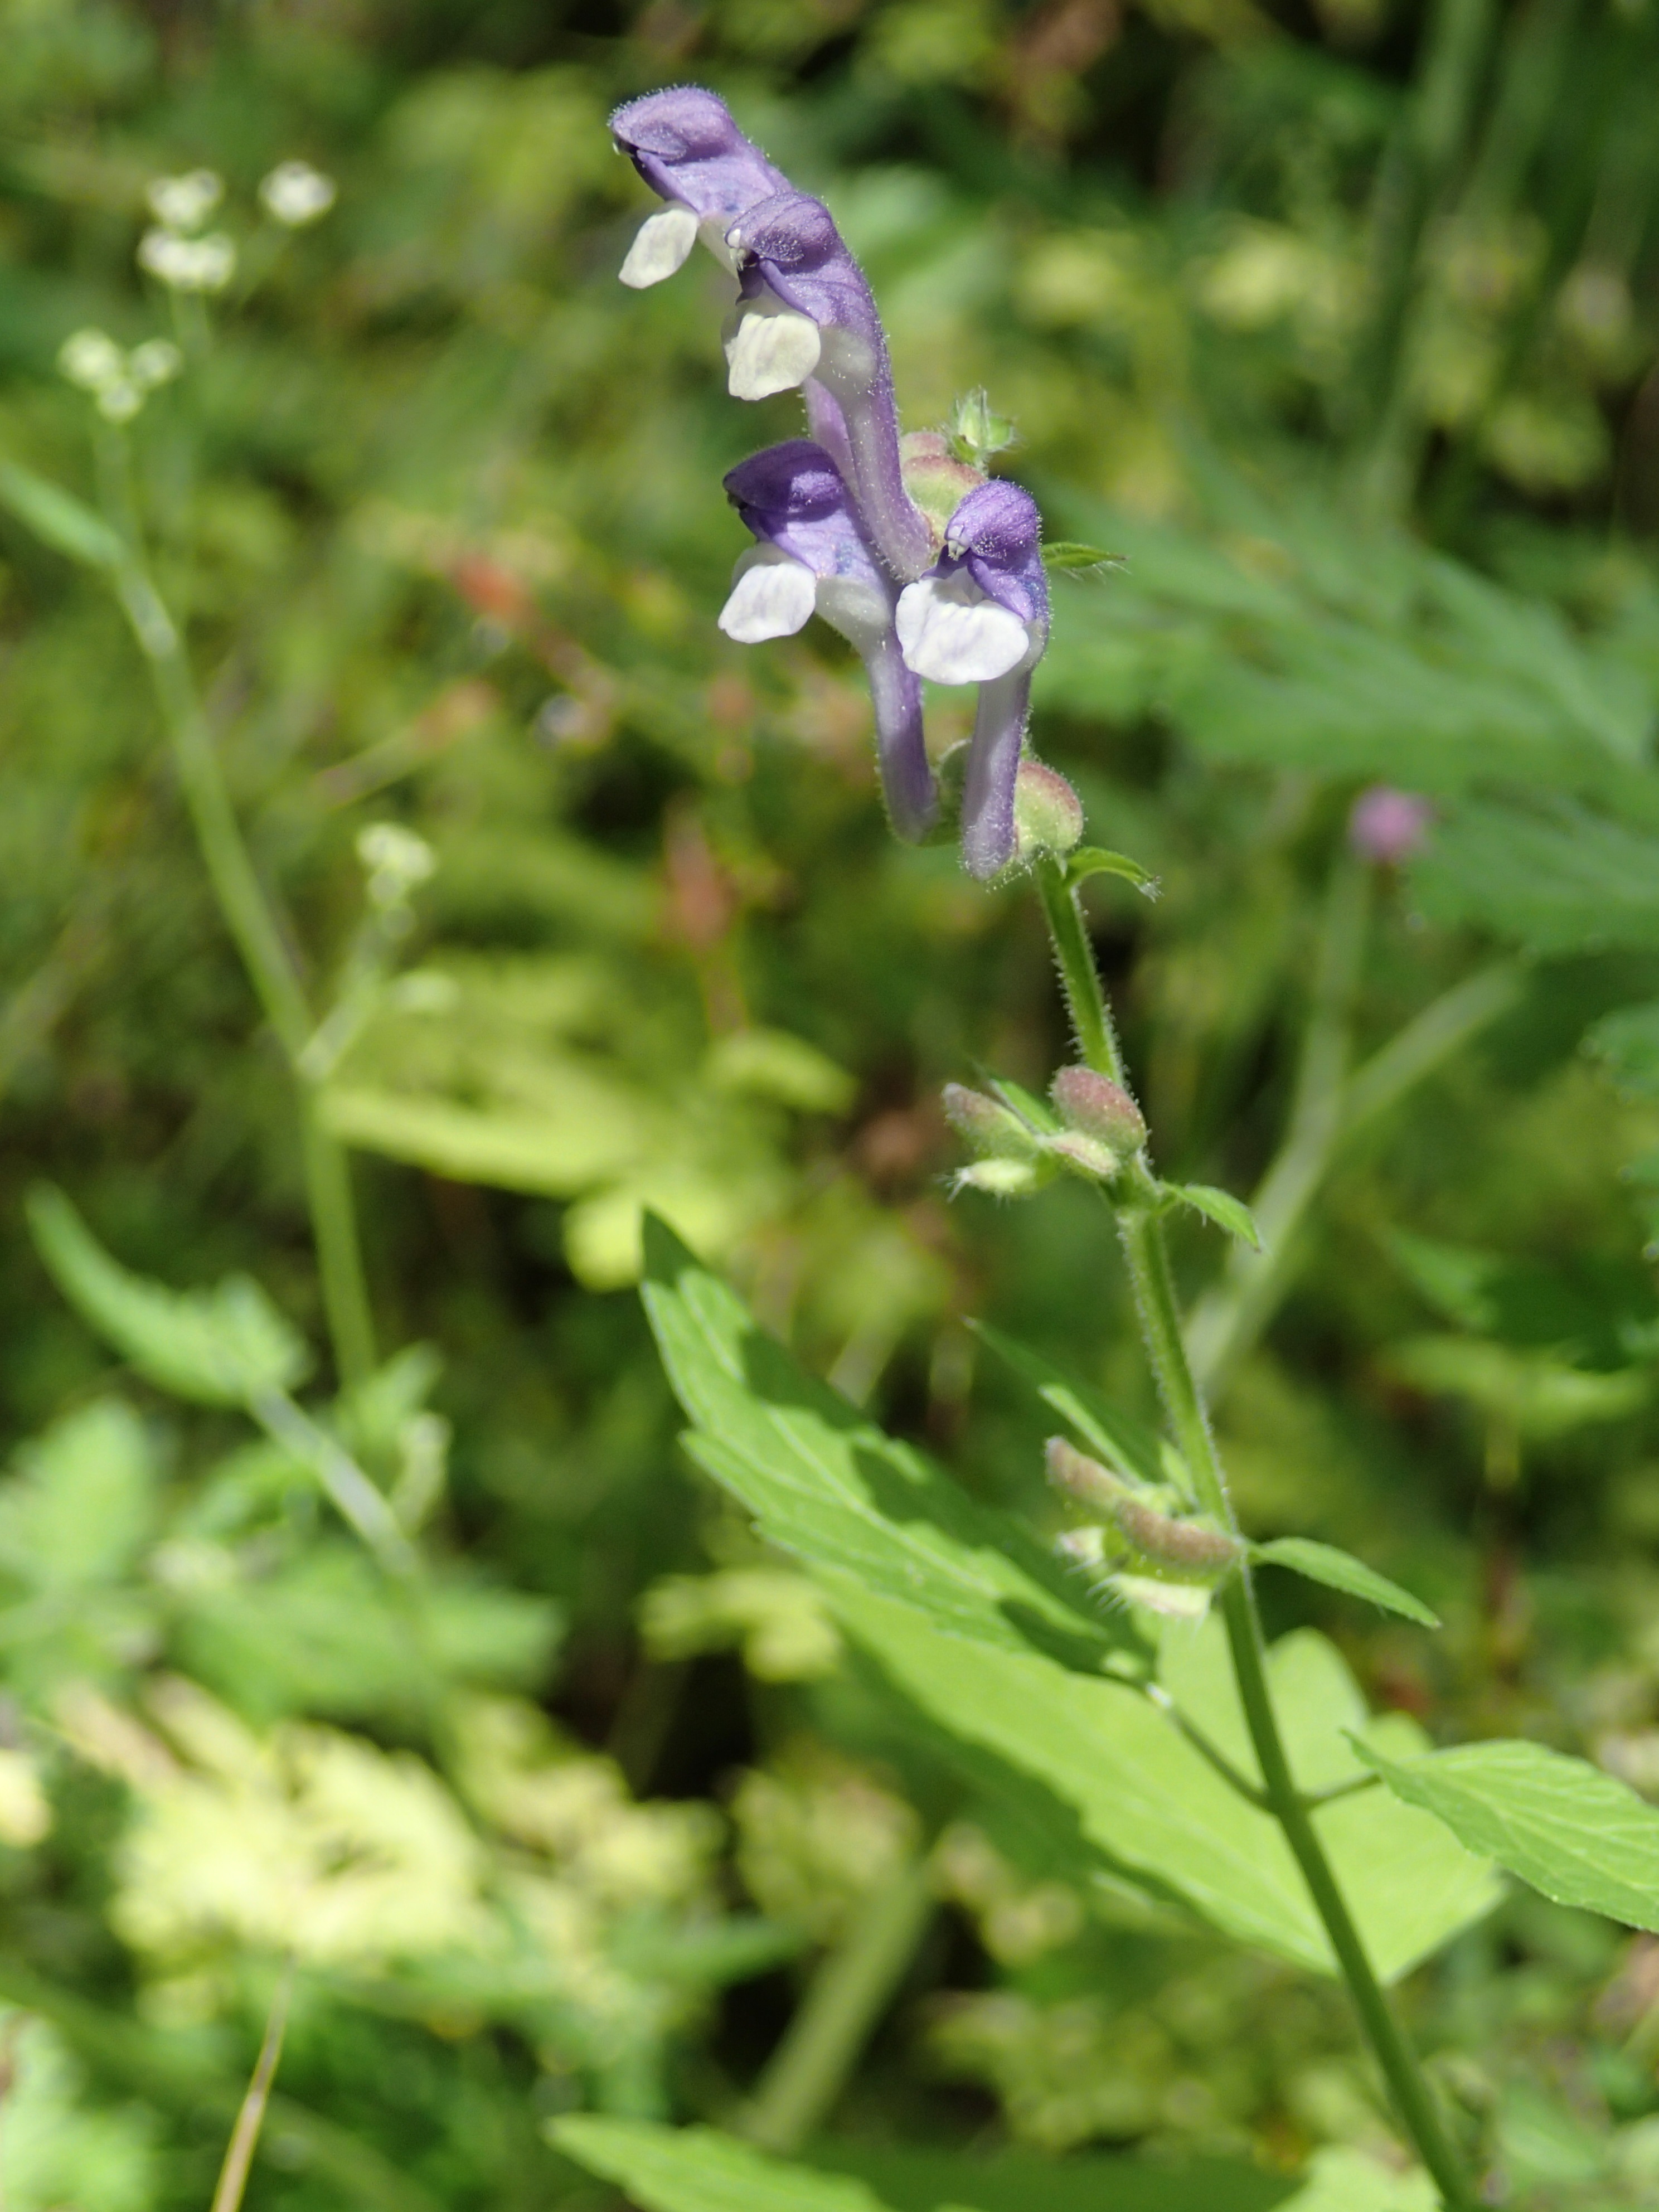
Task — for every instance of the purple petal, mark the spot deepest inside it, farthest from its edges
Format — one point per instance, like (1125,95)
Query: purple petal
(792,495)
(789,245)
(906,777)
(988,840)
(996,534)
(686,145)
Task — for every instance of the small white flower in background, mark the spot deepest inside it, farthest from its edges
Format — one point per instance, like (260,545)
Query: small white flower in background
(396,860)
(119,382)
(295,193)
(91,359)
(183,204)
(188,264)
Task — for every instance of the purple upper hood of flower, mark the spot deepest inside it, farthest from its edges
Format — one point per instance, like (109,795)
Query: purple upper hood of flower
(796,249)
(996,535)
(686,145)
(793,495)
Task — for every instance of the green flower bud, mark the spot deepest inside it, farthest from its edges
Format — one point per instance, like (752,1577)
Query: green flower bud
(990,1129)
(937,479)
(1085,1156)
(1096,1107)
(977,431)
(1193,1548)
(1048,812)
(1003,1178)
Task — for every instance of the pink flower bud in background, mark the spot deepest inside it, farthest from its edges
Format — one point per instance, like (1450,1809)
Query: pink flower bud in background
(1388,826)
(1096,1107)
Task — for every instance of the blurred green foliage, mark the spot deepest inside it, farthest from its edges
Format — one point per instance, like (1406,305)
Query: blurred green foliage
(1338,322)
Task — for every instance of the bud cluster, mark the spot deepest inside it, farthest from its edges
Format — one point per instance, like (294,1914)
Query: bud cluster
(1167,1559)
(930,570)
(1094,1130)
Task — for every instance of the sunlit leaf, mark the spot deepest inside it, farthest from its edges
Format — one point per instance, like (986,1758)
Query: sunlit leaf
(825,1482)
(1572,1831)
(700,2170)
(1337,1569)
(219,1347)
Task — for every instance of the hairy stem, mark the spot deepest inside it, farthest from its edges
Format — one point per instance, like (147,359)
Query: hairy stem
(245,2136)
(845,1998)
(1147,1253)
(265,955)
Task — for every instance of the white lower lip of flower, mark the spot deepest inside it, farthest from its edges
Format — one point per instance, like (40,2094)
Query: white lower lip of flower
(661,247)
(769,348)
(772,596)
(857,610)
(951,633)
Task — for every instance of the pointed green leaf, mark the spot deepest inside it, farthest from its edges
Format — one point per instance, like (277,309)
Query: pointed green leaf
(217,1347)
(700,2170)
(823,1482)
(1220,1207)
(1153,1809)
(1095,860)
(1339,1571)
(1123,1442)
(58,518)
(1066,555)
(1572,1831)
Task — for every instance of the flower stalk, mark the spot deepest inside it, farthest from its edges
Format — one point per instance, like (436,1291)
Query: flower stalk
(1141,1232)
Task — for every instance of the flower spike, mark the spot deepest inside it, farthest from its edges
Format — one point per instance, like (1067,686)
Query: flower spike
(686,147)
(805,315)
(811,556)
(981,615)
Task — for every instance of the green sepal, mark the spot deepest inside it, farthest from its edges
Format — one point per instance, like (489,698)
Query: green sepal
(1095,860)
(1220,1207)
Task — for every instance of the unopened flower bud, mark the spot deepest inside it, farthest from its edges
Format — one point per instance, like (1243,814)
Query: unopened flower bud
(1003,1178)
(977,431)
(1048,812)
(1094,1106)
(1191,1548)
(1085,1156)
(991,1130)
(1388,826)
(396,859)
(183,204)
(937,480)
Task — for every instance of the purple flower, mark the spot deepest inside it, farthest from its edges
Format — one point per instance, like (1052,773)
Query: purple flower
(1388,826)
(981,615)
(811,556)
(805,315)
(686,145)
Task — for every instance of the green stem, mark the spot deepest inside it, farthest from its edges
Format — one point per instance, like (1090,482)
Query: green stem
(846,1996)
(1147,1255)
(269,964)
(245,2136)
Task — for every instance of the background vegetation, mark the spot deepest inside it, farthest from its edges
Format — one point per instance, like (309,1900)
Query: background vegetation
(1338,322)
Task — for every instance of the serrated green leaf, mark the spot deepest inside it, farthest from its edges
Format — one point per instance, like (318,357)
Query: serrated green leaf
(1220,1207)
(700,2170)
(1095,860)
(84,1503)
(218,1347)
(1123,1442)
(1066,555)
(1627,1044)
(1154,1810)
(823,1482)
(58,518)
(1573,1832)
(1339,1571)
(1566,880)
